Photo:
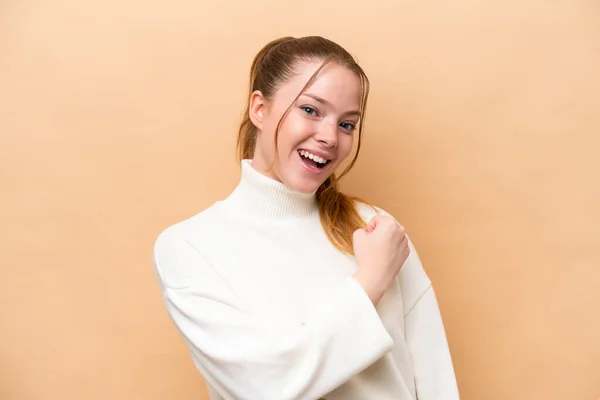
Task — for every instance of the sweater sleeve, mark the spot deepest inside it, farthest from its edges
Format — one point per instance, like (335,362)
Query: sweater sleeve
(424,329)
(244,355)
(426,339)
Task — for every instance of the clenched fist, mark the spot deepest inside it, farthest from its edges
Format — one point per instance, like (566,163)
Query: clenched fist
(380,250)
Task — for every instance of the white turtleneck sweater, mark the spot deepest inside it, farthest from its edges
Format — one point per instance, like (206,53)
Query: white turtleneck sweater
(270,311)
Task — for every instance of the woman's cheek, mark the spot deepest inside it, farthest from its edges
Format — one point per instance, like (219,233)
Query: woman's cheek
(300,128)
(345,146)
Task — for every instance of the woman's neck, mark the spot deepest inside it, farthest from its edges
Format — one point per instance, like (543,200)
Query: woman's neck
(260,195)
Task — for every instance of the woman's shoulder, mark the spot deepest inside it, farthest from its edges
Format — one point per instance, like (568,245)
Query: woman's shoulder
(180,249)
(197,229)
(200,220)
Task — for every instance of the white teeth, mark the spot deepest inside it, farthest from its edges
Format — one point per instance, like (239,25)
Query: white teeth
(318,159)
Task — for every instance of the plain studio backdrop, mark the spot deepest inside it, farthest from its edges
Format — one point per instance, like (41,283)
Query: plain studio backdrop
(118,118)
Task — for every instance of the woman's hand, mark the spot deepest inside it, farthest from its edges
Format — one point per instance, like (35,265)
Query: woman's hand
(380,250)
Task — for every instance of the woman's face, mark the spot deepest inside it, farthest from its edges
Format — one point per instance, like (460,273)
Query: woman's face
(317,134)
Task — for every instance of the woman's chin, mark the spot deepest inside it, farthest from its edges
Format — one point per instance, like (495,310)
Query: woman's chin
(303,185)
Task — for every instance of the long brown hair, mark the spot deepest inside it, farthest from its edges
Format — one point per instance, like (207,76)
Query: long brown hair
(273,65)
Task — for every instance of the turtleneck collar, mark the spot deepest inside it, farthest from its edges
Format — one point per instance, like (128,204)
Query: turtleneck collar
(260,196)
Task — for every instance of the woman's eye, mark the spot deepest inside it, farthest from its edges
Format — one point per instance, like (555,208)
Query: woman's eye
(348,126)
(309,110)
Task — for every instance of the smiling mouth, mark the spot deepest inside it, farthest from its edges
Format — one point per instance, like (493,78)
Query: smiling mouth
(313,160)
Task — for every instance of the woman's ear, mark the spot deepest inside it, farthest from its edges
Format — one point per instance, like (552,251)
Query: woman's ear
(257,109)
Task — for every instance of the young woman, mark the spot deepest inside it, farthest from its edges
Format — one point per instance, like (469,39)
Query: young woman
(289,289)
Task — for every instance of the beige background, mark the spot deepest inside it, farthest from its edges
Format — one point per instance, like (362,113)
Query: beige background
(118,118)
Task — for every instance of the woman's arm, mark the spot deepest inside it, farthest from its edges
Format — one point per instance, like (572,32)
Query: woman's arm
(246,356)
(426,338)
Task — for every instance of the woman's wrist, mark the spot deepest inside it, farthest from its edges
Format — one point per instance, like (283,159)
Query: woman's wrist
(373,287)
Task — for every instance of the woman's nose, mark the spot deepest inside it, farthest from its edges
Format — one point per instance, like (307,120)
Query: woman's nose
(328,135)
